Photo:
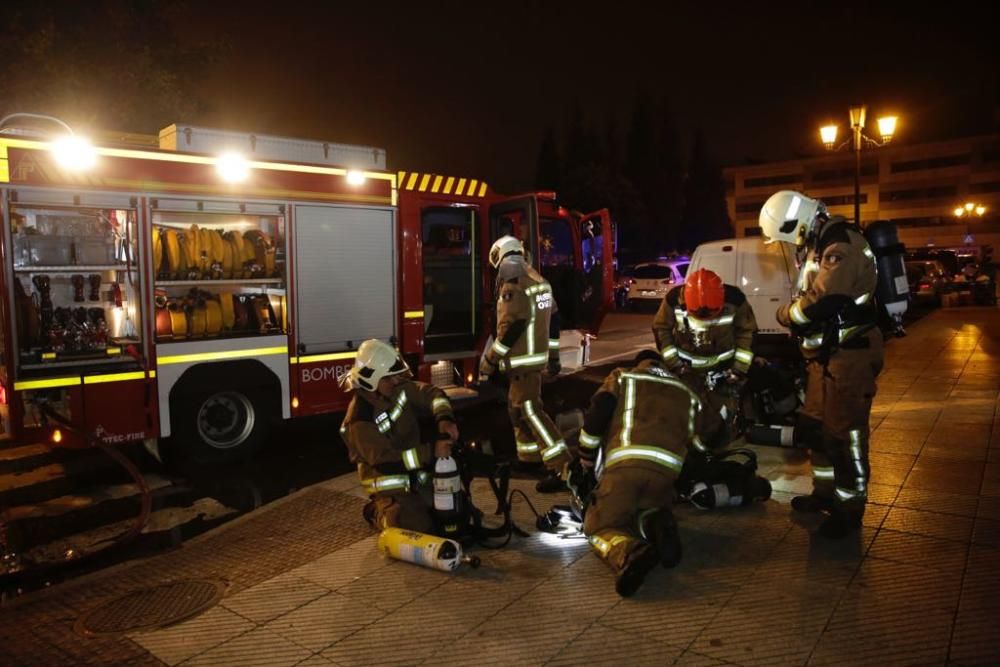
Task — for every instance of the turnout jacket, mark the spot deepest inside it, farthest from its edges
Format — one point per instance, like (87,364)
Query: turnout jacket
(644,416)
(383,436)
(836,285)
(706,345)
(527,318)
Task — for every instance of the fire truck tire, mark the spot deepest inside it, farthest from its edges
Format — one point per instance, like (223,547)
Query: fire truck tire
(217,426)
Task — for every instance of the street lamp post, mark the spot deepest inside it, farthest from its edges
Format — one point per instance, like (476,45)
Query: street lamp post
(967,211)
(857,113)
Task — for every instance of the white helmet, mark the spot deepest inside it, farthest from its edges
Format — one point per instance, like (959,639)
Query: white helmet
(375,361)
(503,246)
(789,216)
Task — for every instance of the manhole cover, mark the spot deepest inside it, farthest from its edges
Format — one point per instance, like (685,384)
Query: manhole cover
(152,608)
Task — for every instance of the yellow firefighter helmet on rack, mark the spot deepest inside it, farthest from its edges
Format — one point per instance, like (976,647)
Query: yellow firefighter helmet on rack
(375,360)
(503,246)
(789,216)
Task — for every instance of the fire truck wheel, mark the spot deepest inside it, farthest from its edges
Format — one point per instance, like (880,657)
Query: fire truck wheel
(219,426)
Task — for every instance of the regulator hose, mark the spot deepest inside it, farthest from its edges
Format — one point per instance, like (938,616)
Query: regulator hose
(145,508)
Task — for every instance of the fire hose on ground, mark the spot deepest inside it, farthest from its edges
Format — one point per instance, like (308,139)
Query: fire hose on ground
(20,574)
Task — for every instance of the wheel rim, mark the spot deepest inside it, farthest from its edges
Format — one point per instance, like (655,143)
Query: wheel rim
(225,420)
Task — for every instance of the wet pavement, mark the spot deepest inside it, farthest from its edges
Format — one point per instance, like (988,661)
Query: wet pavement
(918,585)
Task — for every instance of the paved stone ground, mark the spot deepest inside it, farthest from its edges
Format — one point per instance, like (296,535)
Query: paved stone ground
(919,585)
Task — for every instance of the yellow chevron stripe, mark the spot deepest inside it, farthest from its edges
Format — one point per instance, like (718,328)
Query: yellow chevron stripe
(461,186)
(401,178)
(424,181)
(471,191)
(448,184)
(437,184)
(413,180)
(482,190)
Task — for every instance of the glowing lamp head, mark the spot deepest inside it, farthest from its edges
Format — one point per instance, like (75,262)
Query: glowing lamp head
(233,167)
(74,153)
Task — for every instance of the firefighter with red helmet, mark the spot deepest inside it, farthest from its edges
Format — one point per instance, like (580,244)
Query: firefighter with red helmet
(704,330)
(836,322)
(382,432)
(526,344)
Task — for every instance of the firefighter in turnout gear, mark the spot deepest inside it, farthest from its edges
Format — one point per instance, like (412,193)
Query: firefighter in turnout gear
(382,432)
(834,317)
(645,418)
(527,343)
(703,329)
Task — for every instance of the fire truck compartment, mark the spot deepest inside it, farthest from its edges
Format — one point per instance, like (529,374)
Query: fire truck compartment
(345,278)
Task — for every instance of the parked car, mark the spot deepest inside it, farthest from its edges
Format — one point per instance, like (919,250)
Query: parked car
(650,281)
(928,280)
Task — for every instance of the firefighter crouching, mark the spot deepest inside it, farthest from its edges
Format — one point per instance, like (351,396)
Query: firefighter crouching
(703,329)
(382,434)
(835,319)
(527,343)
(646,418)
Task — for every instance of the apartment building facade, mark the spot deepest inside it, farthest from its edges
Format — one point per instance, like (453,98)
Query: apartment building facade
(918,186)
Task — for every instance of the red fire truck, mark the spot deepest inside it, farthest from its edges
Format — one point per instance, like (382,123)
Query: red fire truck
(196,295)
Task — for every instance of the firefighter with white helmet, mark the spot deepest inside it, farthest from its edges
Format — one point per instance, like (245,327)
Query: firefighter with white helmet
(382,432)
(526,343)
(835,319)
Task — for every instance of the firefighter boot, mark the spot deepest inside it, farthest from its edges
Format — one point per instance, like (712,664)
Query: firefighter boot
(661,528)
(812,504)
(638,564)
(551,483)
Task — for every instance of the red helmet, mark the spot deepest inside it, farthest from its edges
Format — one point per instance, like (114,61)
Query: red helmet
(704,294)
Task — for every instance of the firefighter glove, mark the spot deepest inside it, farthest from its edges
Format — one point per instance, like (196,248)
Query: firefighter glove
(487,369)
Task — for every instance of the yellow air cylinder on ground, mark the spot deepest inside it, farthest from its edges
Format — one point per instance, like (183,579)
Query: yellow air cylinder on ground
(431,551)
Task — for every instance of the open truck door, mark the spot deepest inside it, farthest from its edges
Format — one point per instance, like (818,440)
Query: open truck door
(572,252)
(597,274)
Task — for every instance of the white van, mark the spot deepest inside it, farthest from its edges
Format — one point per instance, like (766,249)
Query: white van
(765,272)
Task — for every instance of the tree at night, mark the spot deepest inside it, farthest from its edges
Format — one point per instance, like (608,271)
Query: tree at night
(99,64)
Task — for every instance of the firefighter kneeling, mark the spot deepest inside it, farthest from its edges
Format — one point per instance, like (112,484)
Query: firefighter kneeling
(382,434)
(646,418)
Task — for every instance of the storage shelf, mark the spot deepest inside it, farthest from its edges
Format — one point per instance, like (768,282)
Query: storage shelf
(76,268)
(206,283)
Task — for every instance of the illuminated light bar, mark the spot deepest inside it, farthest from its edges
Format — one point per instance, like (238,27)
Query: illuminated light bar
(413,314)
(218,356)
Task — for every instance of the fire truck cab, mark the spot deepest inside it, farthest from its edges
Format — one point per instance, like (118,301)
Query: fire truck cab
(200,289)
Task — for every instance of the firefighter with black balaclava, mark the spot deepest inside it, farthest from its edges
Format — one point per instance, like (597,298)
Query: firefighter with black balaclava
(644,418)
(526,344)
(382,432)
(835,318)
(704,330)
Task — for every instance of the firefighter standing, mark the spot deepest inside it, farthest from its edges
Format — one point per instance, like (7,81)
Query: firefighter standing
(703,329)
(527,342)
(646,418)
(382,434)
(835,319)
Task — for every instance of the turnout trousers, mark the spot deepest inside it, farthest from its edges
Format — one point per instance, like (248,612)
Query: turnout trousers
(622,502)
(536,435)
(836,414)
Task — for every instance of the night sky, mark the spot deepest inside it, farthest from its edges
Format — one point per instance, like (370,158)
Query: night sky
(468,88)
